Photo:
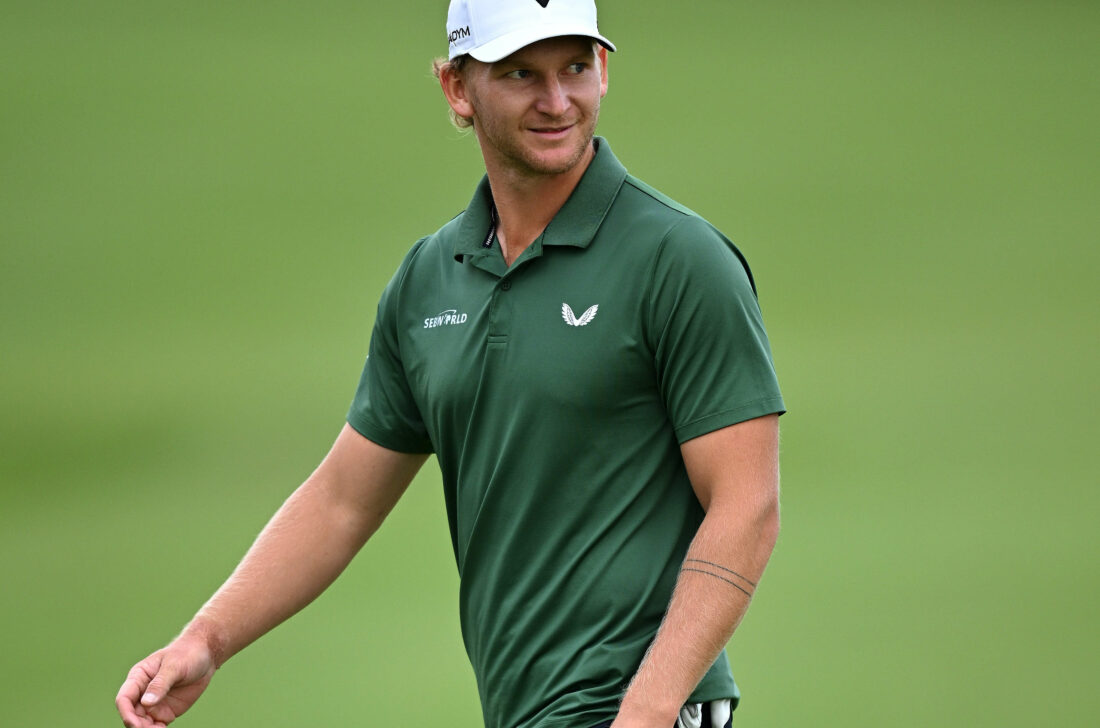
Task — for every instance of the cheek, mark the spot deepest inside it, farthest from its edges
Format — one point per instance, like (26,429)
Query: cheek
(501,112)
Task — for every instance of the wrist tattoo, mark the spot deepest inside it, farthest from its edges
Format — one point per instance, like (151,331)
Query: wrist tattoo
(731,577)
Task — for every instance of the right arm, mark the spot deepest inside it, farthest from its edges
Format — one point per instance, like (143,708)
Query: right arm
(302,550)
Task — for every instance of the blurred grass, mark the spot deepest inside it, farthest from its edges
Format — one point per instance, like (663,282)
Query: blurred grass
(200,203)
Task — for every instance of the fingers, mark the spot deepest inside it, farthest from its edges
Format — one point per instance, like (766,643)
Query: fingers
(161,683)
(129,695)
(133,716)
(145,684)
(125,708)
(165,684)
(136,717)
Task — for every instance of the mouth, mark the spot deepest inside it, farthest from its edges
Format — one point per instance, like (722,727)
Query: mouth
(552,132)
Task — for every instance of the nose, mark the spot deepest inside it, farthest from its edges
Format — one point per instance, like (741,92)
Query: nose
(553,99)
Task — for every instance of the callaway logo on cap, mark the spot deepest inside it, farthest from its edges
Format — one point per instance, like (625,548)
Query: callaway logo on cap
(491,29)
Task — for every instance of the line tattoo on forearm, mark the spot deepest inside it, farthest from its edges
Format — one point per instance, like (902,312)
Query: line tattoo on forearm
(719,566)
(708,567)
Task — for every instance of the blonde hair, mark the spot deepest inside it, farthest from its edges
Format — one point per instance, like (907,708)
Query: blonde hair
(456,64)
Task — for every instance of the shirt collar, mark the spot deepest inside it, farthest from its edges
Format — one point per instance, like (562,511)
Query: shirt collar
(575,223)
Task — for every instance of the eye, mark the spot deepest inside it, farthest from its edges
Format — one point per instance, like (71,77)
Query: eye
(518,74)
(578,68)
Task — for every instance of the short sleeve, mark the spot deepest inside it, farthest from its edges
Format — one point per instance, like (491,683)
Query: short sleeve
(384,410)
(714,362)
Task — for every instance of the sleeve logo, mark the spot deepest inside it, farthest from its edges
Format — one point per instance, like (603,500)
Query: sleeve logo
(583,320)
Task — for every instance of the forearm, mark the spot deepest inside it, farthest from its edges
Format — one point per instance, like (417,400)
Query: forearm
(302,549)
(307,543)
(298,554)
(723,566)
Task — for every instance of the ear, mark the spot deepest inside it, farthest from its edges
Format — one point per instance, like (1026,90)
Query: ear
(602,55)
(455,89)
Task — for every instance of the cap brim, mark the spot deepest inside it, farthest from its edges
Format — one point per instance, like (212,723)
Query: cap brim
(509,43)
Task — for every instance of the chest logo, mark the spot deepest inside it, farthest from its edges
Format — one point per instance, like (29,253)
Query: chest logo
(583,320)
(450,317)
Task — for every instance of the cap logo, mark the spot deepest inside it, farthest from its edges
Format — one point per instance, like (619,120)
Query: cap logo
(460,33)
(543,3)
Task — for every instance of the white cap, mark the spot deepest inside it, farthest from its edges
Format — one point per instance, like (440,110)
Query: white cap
(491,29)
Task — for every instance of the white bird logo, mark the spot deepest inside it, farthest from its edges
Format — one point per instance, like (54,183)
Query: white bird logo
(585,318)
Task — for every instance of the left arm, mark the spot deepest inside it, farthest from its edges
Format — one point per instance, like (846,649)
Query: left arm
(735,474)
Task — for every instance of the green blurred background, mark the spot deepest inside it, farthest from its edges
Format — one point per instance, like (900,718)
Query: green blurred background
(200,203)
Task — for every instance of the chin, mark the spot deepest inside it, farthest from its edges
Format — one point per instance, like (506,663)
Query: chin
(559,159)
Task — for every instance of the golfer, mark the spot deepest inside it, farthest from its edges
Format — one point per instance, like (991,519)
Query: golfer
(587,361)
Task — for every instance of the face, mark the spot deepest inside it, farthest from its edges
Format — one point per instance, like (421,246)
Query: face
(535,111)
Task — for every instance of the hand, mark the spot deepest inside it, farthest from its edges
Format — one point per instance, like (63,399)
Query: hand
(165,684)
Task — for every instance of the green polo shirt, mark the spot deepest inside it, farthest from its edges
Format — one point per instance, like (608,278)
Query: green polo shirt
(555,394)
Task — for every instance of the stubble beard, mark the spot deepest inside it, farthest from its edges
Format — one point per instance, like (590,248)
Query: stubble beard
(524,160)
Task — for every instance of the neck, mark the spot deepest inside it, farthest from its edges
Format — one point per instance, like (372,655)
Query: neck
(527,203)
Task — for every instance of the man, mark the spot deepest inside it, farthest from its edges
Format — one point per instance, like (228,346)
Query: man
(587,361)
